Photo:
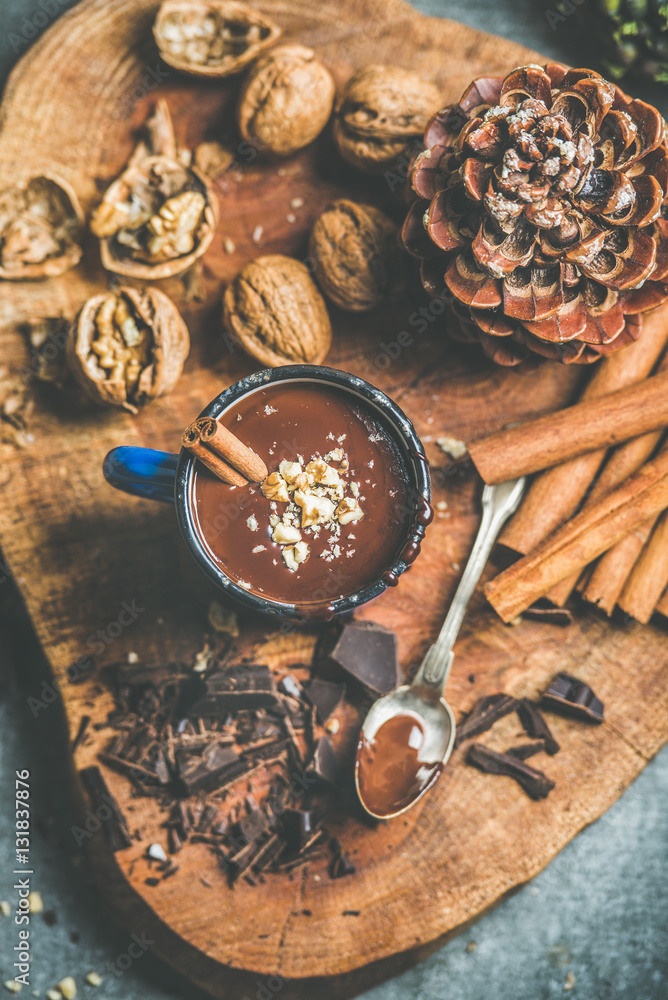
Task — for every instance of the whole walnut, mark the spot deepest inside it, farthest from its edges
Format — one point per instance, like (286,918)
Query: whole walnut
(359,260)
(275,312)
(127,347)
(381,115)
(285,101)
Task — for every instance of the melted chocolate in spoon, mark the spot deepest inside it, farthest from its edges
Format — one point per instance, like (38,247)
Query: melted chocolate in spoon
(391,772)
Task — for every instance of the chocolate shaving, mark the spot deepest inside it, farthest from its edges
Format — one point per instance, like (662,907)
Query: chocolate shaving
(536,784)
(535,725)
(573,697)
(483,715)
(115,827)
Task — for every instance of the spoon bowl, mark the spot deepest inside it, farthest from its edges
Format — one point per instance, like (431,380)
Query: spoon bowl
(433,716)
(408,735)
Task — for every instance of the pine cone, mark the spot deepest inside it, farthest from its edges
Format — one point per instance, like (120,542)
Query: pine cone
(538,214)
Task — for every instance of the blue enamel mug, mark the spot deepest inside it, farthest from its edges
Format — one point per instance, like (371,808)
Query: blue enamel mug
(166,477)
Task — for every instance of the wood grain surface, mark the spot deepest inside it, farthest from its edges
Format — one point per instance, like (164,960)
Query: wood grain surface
(79,550)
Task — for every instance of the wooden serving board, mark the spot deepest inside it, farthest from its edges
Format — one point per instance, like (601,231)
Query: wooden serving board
(79,550)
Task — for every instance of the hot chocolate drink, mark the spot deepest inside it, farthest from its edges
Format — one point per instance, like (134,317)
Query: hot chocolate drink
(335,511)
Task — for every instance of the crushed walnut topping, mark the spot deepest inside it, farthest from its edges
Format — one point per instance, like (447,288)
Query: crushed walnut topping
(318,498)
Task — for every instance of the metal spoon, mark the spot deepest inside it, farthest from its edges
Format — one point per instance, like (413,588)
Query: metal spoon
(422,701)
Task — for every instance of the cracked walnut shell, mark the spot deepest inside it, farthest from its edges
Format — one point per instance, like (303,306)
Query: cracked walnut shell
(381,114)
(159,216)
(41,225)
(285,101)
(127,348)
(359,260)
(211,38)
(275,312)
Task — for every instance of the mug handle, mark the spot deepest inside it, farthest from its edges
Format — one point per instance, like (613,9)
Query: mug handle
(142,472)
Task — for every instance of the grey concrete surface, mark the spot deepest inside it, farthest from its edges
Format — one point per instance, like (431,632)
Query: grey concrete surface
(593,925)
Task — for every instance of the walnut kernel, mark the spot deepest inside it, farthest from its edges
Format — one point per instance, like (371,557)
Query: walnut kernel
(128,347)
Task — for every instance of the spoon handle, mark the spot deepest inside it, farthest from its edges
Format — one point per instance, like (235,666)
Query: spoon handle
(498,503)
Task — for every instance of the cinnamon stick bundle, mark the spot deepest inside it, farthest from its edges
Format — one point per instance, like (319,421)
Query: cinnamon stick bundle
(223,453)
(606,581)
(623,462)
(555,495)
(649,577)
(580,541)
(585,427)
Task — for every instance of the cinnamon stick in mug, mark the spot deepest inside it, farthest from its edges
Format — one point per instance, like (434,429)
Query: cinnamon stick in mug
(229,447)
(585,427)
(581,540)
(192,440)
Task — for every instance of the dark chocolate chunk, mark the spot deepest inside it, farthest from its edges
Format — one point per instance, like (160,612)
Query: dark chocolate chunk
(115,828)
(216,767)
(236,689)
(363,651)
(526,750)
(323,764)
(535,725)
(483,715)
(324,696)
(536,784)
(573,697)
(298,827)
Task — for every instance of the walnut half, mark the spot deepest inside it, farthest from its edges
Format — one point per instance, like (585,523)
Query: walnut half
(128,347)
(211,37)
(159,216)
(41,226)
